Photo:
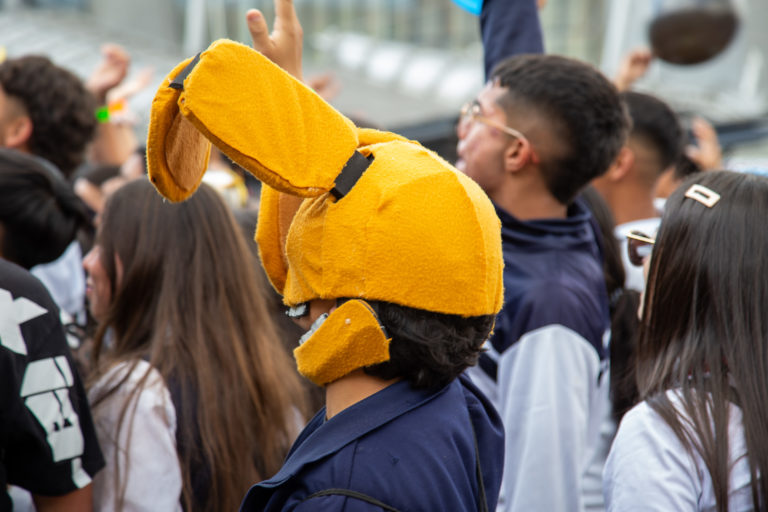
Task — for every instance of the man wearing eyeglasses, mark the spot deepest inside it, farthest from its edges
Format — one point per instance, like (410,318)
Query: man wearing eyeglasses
(541,129)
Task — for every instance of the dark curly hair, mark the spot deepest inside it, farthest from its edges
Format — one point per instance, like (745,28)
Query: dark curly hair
(59,106)
(581,106)
(429,349)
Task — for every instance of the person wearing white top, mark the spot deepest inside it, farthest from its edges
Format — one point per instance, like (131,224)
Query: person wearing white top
(697,440)
(148,461)
(65,280)
(194,396)
(649,468)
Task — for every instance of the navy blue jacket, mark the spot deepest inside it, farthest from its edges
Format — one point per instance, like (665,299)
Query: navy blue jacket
(553,273)
(509,27)
(410,449)
(544,369)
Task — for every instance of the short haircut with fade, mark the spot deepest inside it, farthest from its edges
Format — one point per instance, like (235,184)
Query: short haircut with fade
(654,121)
(582,107)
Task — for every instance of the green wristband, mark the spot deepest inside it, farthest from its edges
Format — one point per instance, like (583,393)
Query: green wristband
(102,114)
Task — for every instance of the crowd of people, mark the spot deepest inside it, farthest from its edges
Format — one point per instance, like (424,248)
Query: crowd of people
(567,318)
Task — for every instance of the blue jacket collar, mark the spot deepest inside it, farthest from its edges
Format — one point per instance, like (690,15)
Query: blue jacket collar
(320,439)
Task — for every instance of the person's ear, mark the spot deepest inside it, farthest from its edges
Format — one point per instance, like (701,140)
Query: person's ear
(622,165)
(518,154)
(17,132)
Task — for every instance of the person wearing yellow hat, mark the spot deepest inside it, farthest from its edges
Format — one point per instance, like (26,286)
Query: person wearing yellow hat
(385,252)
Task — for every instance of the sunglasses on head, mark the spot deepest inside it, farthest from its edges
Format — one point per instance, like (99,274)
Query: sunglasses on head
(639,246)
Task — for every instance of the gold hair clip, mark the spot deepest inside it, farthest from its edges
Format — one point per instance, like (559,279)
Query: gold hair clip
(703,195)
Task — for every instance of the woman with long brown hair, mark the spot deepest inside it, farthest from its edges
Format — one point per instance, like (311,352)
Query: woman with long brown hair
(698,440)
(193,395)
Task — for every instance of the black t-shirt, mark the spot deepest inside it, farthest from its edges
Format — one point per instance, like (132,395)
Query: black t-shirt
(47,440)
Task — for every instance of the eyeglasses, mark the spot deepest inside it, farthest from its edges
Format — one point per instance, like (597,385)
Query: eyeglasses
(639,246)
(472,112)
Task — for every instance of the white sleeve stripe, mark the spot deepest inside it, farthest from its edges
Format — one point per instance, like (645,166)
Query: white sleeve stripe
(80,477)
(13,313)
(45,375)
(549,400)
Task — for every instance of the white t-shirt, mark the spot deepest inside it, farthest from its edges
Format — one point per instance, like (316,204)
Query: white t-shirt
(635,279)
(648,468)
(148,437)
(65,280)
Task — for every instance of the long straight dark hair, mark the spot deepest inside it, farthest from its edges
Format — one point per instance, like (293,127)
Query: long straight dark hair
(623,304)
(704,329)
(188,301)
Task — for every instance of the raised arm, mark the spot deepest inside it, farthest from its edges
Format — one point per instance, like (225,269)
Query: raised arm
(707,152)
(510,27)
(633,66)
(114,142)
(284,45)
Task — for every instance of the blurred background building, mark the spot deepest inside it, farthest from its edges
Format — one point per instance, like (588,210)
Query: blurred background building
(407,64)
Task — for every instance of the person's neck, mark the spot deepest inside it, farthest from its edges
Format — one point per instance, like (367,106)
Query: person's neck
(632,203)
(351,389)
(529,202)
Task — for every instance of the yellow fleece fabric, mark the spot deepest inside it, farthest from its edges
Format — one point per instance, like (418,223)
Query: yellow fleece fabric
(280,208)
(412,231)
(261,117)
(350,338)
(177,154)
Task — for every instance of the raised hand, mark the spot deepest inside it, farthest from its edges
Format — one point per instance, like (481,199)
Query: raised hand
(127,89)
(110,72)
(707,152)
(633,66)
(325,84)
(284,45)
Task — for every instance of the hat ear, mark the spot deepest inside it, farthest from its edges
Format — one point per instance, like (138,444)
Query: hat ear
(276,212)
(177,153)
(370,136)
(265,120)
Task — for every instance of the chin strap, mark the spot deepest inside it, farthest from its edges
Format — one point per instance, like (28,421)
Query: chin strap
(349,338)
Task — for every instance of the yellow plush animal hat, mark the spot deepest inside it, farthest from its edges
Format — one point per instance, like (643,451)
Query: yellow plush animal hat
(345,213)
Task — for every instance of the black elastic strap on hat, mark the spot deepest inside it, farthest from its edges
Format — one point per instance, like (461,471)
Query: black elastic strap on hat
(178,82)
(350,174)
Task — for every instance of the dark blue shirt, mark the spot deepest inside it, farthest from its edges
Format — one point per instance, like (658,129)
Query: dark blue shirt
(553,274)
(410,449)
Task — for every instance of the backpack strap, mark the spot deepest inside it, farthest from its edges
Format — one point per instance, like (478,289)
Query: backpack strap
(351,494)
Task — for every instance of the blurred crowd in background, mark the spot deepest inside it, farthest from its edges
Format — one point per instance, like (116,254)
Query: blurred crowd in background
(646,166)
